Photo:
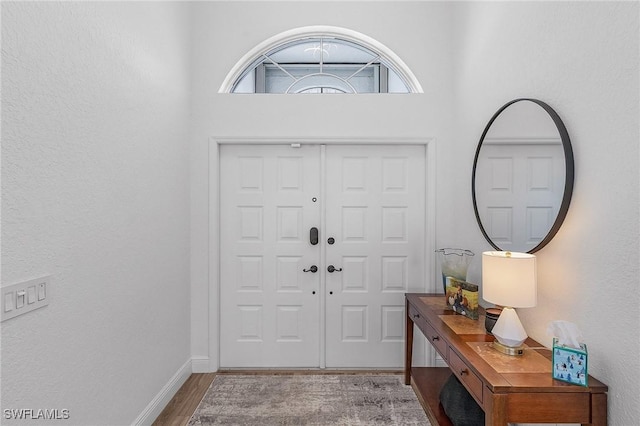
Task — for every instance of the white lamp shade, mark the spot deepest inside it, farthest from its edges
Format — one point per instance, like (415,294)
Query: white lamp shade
(509,279)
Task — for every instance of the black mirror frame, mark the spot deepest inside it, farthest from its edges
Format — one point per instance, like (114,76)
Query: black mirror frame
(569,170)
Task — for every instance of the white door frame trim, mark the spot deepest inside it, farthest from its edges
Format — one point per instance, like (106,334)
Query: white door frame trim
(214,220)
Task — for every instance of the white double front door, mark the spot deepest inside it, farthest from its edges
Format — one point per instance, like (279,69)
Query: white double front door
(289,299)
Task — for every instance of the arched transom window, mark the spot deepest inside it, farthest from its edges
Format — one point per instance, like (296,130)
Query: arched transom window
(321,60)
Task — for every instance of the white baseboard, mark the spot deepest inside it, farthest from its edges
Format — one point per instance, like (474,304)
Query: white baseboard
(157,404)
(200,365)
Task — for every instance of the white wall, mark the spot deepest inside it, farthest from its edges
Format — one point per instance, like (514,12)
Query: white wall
(225,31)
(95,191)
(582,58)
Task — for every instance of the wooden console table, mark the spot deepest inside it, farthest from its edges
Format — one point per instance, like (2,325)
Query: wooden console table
(508,389)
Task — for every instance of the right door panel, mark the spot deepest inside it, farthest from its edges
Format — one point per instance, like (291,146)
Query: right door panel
(375,212)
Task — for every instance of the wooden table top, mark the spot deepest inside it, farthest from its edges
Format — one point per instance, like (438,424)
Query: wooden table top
(500,372)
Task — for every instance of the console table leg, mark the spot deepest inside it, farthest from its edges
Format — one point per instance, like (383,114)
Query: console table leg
(598,409)
(495,411)
(408,347)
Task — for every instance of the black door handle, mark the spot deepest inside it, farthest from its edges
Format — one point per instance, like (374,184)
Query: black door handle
(313,269)
(313,236)
(333,269)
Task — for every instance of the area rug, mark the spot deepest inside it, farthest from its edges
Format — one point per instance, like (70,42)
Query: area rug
(309,400)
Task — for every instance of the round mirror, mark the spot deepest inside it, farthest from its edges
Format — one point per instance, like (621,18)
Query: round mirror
(522,176)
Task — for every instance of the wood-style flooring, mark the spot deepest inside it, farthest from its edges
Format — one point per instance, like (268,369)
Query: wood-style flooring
(180,409)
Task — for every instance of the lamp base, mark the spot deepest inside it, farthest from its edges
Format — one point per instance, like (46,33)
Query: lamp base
(508,350)
(508,329)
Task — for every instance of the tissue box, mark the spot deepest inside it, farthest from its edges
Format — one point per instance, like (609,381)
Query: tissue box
(570,364)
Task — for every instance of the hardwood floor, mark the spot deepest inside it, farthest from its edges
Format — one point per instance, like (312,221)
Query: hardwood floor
(179,410)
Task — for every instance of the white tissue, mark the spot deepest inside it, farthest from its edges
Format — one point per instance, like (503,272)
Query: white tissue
(567,333)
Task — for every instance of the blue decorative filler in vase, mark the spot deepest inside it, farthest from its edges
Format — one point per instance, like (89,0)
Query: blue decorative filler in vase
(454,262)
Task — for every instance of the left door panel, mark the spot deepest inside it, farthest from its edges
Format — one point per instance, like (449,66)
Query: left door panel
(269,307)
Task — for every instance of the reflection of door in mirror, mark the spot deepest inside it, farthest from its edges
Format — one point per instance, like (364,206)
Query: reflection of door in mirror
(520,174)
(522,186)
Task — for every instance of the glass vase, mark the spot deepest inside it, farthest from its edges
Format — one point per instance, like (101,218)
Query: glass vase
(454,262)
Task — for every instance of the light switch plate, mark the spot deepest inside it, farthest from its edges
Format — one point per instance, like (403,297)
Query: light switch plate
(20,298)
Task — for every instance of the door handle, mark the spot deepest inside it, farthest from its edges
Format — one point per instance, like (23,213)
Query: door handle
(333,269)
(313,269)
(313,236)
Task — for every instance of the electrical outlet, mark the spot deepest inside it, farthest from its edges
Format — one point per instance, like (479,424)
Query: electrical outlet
(18,299)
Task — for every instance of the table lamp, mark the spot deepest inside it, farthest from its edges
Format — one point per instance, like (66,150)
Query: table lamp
(509,280)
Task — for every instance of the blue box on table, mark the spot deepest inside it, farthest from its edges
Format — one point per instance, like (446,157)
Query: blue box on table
(570,364)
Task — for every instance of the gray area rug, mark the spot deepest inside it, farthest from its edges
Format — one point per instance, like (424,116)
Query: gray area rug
(309,400)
